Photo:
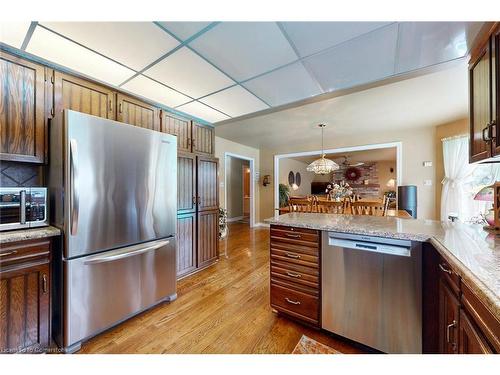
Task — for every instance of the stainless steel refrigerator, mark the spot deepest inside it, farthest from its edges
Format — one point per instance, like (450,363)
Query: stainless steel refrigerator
(113,193)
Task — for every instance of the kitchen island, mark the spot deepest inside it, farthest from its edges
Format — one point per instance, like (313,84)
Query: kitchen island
(460,263)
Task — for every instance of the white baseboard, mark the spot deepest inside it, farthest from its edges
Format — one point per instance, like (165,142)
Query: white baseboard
(237,218)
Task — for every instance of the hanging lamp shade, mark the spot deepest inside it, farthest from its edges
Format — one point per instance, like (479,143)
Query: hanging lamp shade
(322,165)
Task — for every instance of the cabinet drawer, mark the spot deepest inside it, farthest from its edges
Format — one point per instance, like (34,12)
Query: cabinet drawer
(24,251)
(295,303)
(304,237)
(294,248)
(290,256)
(294,276)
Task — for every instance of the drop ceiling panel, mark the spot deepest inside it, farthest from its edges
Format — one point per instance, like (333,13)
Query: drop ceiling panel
(285,85)
(135,44)
(152,90)
(202,111)
(312,37)
(245,49)
(185,71)
(184,30)
(61,51)
(13,33)
(427,43)
(362,60)
(235,101)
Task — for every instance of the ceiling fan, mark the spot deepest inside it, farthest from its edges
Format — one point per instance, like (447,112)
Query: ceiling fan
(347,164)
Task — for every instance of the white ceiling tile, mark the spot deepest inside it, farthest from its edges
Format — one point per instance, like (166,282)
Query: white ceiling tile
(61,51)
(285,85)
(202,111)
(185,71)
(184,30)
(312,37)
(235,101)
(152,90)
(365,59)
(245,49)
(135,44)
(423,44)
(13,33)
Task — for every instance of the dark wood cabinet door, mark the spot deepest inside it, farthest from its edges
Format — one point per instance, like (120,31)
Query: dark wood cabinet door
(186,244)
(480,104)
(22,110)
(138,113)
(83,96)
(186,183)
(207,183)
(179,127)
(203,139)
(471,340)
(208,237)
(495,92)
(449,308)
(24,311)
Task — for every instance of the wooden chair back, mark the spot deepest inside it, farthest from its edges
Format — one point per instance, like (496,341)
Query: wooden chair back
(369,208)
(330,207)
(300,204)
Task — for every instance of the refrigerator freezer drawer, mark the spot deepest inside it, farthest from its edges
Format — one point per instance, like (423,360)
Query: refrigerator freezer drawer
(109,287)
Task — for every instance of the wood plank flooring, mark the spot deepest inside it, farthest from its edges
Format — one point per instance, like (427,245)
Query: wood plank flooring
(222,309)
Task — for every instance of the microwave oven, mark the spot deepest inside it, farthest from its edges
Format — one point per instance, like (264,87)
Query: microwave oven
(23,207)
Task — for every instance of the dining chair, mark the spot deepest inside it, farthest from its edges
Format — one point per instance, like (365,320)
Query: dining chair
(301,204)
(330,207)
(369,208)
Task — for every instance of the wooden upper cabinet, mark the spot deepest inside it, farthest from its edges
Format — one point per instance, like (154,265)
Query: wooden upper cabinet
(180,127)
(203,139)
(83,96)
(22,110)
(136,112)
(186,183)
(207,183)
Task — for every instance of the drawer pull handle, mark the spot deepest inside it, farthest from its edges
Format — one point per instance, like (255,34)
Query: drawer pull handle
(444,269)
(291,301)
(292,235)
(44,283)
(294,256)
(448,327)
(292,274)
(8,253)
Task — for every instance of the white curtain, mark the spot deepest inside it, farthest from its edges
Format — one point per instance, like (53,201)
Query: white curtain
(457,171)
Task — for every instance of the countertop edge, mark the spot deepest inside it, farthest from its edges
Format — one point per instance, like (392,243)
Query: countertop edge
(29,234)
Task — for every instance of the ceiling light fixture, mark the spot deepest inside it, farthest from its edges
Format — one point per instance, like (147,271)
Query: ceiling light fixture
(322,165)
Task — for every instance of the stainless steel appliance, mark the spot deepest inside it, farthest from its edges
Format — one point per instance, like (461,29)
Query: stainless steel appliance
(371,291)
(113,193)
(23,207)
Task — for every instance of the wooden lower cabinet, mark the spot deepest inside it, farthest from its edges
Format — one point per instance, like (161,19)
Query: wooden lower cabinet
(449,312)
(471,339)
(25,296)
(186,244)
(208,237)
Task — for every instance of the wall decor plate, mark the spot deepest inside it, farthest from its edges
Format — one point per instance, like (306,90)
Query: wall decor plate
(291,178)
(298,178)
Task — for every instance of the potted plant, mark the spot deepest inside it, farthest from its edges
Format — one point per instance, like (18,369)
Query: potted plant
(284,193)
(222,223)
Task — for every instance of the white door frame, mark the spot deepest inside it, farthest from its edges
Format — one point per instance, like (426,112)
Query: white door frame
(252,182)
(399,161)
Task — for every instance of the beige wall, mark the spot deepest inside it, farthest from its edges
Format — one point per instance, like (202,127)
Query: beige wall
(444,131)
(384,175)
(287,165)
(221,147)
(234,188)
(418,145)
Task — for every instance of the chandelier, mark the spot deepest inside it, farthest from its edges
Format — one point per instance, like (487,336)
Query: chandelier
(322,165)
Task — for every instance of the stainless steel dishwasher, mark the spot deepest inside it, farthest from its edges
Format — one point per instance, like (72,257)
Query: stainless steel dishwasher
(371,291)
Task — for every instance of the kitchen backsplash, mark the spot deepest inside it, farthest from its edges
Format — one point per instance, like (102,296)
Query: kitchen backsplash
(15,174)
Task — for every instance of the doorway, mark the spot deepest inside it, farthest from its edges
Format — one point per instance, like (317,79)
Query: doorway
(239,189)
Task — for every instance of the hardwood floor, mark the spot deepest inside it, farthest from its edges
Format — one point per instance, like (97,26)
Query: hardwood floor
(222,309)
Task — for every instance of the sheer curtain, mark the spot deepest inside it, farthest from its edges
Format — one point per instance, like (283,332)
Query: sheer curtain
(458,172)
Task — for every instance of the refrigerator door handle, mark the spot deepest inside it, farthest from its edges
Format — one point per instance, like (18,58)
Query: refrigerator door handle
(127,252)
(74,200)
(22,206)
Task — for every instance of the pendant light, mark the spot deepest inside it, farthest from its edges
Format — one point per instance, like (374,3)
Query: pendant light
(322,165)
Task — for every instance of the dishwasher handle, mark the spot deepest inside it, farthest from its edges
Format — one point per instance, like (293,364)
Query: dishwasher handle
(370,246)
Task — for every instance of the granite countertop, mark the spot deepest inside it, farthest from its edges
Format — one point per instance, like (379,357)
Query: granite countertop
(28,234)
(473,252)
